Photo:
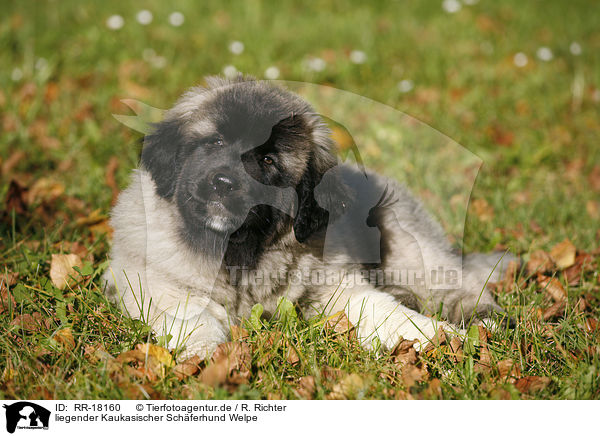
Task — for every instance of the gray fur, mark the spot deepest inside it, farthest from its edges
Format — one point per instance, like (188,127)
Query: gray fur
(174,259)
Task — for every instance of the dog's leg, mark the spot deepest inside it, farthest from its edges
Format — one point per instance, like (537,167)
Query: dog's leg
(379,315)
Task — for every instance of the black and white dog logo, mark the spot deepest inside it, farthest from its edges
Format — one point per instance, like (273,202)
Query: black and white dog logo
(26,415)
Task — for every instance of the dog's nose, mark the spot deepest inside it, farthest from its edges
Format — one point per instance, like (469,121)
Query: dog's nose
(224,184)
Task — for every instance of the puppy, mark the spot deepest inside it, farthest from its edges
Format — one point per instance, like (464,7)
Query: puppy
(240,199)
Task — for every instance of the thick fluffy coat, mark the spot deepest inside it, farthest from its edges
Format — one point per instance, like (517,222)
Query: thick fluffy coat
(240,200)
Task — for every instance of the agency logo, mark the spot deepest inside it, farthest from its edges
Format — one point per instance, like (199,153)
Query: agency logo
(26,415)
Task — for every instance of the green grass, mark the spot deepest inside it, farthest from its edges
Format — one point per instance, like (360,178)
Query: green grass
(538,143)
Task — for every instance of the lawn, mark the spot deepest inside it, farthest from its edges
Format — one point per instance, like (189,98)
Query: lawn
(516,84)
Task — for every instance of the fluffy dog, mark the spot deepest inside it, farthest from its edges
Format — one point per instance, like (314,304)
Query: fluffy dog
(240,199)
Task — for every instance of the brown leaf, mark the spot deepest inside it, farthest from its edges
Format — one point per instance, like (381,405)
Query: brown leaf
(29,322)
(501,136)
(44,189)
(330,374)
(553,287)
(65,338)
(61,269)
(456,349)
(230,363)
(485,362)
(593,209)
(238,333)
(583,262)
(436,341)
(539,262)
(594,178)
(306,387)
(348,388)
(509,370)
(13,160)
(15,198)
(188,368)
(339,324)
(532,384)
(412,375)
(555,310)
(405,353)
(563,254)
(482,209)
(160,354)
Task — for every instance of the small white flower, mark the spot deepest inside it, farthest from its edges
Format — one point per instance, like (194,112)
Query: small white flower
(544,54)
(315,64)
(230,71)
(144,17)
(16,75)
(236,47)
(405,85)
(176,19)
(575,48)
(159,62)
(148,54)
(520,59)
(358,57)
(115,22)
(41,64)
(451,6)
(272,73)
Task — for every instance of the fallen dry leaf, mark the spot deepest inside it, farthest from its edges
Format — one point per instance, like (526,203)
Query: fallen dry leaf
(65,338)
(553,287)
(593,209)
(584,262)
(150,361)
(230,364)
(532,384)
(188,367)
(412,375)
(44,189)
(509,370)
(456,349)
(563,254)
(509,282)
(29,322)
(238,333)
(594,178)
(61,269)
(348,388)
(539,262)
(482,209)
(405,353)
(436,341)
(339,324)
(162,355)
(15,199)
(306,387)
(555,310)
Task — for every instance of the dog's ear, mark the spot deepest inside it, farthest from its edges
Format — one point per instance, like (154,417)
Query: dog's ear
(160,157)
(322,197)
(310,216)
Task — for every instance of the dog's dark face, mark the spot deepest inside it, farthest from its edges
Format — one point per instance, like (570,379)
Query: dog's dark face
(241,160)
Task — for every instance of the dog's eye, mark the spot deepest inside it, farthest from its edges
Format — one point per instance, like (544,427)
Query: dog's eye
(268,160)
(218,142)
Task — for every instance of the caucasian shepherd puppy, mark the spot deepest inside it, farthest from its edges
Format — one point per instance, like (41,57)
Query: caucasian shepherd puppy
(240,199)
